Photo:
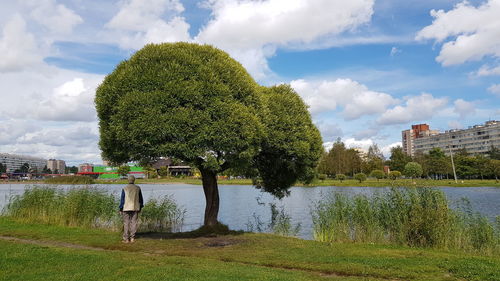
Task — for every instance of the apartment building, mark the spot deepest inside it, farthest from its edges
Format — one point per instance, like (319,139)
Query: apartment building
(477,139)
(56,165)
(418,131)
(14,162)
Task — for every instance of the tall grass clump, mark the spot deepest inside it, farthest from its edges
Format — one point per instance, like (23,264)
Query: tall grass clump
(70,180)
(161,215)
(418,217)
(89,206)
(85,206)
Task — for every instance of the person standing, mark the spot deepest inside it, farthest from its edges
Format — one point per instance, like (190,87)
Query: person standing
(131,203)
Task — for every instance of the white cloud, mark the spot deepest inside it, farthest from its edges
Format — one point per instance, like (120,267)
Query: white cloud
(139,22)
(386,150)
(417,108)
(455,125)
(251,30)
(464,108)
(18,47)
(57,18)
(356,99)
(488,71)
(330,130)
(475,32)
(363,144)
(495,89)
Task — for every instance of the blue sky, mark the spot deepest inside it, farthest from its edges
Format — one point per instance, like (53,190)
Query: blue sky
(368,69)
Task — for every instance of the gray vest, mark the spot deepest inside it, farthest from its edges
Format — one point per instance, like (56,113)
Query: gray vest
(131,198)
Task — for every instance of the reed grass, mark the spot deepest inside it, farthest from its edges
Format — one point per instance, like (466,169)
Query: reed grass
(88,206)
(416,217)
(163,215)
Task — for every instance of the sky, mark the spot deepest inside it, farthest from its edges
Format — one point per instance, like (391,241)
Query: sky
(367,69)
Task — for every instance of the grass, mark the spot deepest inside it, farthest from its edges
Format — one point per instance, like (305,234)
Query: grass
(418,217)
(328,182)
(89,206)
(243,256)
(70,180)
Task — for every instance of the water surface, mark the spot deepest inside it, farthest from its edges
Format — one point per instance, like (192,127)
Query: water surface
(241,204)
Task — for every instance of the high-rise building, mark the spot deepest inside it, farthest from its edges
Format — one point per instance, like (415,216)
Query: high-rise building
(409,136)
(14,162)
(58,166)
(475,140)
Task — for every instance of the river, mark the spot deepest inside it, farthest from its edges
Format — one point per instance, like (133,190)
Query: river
(241,204)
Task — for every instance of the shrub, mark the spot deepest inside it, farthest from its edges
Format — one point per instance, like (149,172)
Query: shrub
(378,174)
(361,177)
(322,177)
(394,175)
(413,170)
(340,177)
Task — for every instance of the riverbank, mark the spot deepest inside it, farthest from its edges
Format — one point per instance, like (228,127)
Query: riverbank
(328,182)
(44,252)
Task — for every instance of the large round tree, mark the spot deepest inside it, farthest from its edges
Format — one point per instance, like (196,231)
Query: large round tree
(195,103)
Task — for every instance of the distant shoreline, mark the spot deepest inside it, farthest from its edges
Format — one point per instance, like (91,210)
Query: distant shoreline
(329,182)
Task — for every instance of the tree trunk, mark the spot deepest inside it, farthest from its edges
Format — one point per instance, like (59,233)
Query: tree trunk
(211,190)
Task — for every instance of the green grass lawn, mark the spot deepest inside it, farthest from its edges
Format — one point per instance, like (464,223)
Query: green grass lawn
(242,256)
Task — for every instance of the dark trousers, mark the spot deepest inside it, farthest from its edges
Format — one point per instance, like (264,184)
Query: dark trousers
(129,224)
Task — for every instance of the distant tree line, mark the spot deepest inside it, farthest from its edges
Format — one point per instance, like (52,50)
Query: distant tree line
(341,161)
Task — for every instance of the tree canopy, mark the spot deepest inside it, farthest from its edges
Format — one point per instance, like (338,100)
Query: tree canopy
(196,104)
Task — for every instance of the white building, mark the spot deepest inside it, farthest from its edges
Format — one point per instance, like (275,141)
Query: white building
(58,166)
(14,162)
(475,140)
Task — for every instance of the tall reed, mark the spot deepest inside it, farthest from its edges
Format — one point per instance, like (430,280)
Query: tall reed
(89,206)
(161,215)
(419,217)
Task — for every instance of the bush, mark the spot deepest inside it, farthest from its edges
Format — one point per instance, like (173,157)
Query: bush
(361,177)
(378,174)
(322,177)
(413,170)
(404,216)
(70,180)
(394,175)
(340,177)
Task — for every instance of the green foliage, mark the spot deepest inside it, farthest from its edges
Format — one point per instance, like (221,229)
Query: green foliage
(160,215)
(494,152)
(70,180)
(413,170)
(3,168)
(361,177)
(24,168)
(405,216)
(398,159)
(374,160)
(187,101)
(340,177)
(163,172)
(394,175)
(378,174)
(123,170)
(196,104)
(281,222)
(340,160)
(291,146)
(322,177)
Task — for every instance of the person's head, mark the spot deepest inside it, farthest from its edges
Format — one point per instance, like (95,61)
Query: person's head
(131,179)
